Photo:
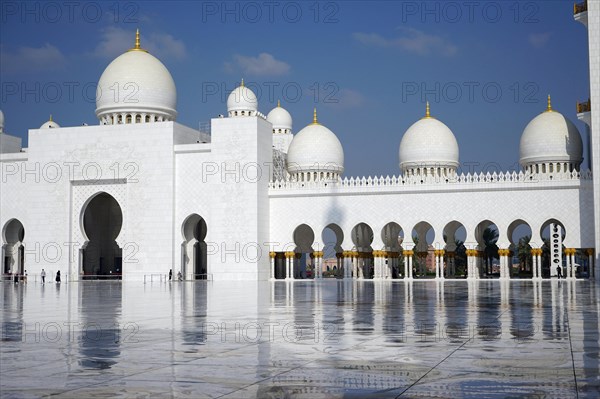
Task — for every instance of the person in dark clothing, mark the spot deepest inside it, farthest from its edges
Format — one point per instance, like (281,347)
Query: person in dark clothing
(57,276)
(559,271)
(170,274)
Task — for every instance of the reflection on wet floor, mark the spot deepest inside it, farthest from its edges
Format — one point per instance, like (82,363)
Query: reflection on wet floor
(330,338)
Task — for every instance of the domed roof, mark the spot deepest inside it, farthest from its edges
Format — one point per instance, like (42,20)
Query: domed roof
(50,124)
(428,143)
(242,99)
(315,148)
(280,118)
(550,137)
(136,81)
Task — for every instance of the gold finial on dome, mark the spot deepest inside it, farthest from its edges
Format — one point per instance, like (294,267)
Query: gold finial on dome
(137,39)
(315,121)
(278,104)
(427,111)
(137,46)
(242,84)
(549,107)
(50,117)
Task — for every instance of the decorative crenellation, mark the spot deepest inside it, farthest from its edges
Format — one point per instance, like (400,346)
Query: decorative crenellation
(412,181)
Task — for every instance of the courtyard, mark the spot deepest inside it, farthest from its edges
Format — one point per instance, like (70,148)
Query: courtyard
(328,338)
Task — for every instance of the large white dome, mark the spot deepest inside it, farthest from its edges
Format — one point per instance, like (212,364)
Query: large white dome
(242,102)
(428,143)
(315,149)
(280,119)
(550,137)
(136,83)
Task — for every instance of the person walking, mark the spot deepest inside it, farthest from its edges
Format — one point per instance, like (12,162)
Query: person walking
(43,274)
(25,277)
(57,279)
(558,271)
(170,274)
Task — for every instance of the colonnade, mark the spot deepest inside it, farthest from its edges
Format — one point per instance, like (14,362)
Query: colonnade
(380,264)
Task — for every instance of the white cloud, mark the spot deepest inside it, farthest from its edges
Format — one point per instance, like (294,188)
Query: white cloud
(115,41)
(539,40)
(262,65)
(412,40)
(32,59)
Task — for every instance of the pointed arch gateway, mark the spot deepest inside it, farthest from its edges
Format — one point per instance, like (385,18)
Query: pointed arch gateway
(101,222)
(13,249)
(194,262)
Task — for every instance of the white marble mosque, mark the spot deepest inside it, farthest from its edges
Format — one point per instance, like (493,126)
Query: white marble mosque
(140,194)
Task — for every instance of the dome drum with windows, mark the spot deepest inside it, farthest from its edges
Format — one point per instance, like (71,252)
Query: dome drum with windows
(550,143)
(428,148)
(136,88)
(315,154)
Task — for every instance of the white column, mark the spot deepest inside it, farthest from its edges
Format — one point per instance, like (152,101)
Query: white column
(533,264)
(539,263)
(346,263)
(272,255)
(377,266)
(405,265)
(288,260)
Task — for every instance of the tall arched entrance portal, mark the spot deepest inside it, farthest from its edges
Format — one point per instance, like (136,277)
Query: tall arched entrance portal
(102,220)
(13,250)
(194,265)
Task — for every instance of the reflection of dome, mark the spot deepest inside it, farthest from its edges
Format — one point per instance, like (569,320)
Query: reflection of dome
(315,154)
(136,88)
(242,102)
(280,119)
(50,124)
(428,144)
(1,121)
(551,138)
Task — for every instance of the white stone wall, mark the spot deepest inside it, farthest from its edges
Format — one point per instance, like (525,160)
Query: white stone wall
(9,144)
(226,183)
(68,166)
(570,202)
(594,59)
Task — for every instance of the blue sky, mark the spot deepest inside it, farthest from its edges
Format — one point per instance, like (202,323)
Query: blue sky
(368,67)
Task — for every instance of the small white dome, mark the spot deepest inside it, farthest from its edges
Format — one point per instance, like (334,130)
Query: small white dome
(50,124)
(136,82)
(550,137)
(1,121)
(315,149)
(428,143)
(280,118)
(242,99)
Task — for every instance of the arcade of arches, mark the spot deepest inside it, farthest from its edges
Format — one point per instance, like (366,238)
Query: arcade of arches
(427,256)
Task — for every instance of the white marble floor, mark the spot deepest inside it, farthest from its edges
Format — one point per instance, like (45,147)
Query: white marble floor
(425,339)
